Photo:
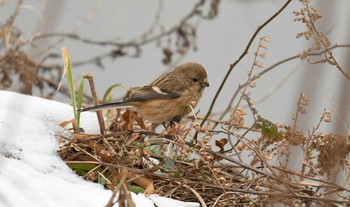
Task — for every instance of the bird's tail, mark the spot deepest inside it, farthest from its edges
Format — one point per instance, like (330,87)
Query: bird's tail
(107,106)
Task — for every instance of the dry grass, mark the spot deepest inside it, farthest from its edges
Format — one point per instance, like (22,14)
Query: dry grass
(240,169)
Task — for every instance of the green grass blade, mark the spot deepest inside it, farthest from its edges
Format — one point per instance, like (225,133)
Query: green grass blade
(69,75)
(109,90)
(80,96)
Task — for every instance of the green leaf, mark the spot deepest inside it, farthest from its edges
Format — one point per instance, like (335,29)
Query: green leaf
(69,75)
(153,149)
(80,96)
(136,88)
(82,168)
(109,90)
(101,180)
(268,128)
(71,87)
(136,189)
(257,126)
(169,164)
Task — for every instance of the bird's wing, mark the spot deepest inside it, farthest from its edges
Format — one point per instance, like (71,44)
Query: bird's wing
(152,92)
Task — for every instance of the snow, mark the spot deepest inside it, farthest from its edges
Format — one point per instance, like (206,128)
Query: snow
(31,171)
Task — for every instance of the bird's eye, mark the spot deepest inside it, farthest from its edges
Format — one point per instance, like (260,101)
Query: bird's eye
(195,79)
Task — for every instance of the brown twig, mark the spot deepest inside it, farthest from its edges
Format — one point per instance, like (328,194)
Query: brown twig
(265,71)
(244,53)
(331,59)
(101,122)
(249,81)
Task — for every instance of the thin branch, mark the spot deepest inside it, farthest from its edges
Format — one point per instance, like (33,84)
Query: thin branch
(245,52)
(268,69)
(331,60)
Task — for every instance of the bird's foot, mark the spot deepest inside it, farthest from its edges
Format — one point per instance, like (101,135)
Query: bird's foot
(176,119)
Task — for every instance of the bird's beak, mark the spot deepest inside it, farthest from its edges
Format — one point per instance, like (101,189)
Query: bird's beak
(205,83)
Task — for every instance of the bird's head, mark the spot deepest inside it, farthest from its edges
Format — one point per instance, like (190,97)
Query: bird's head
(194,73)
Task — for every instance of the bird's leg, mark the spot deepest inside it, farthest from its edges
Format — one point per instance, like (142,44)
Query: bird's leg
(172,124)
(176,119)
(165,126)
(167,135)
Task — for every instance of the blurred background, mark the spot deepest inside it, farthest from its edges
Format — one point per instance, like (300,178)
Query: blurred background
(131,42)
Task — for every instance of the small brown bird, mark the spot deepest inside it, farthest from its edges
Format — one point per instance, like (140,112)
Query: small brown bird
(169,97)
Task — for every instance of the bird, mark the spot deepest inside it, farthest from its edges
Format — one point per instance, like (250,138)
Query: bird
(168,98)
